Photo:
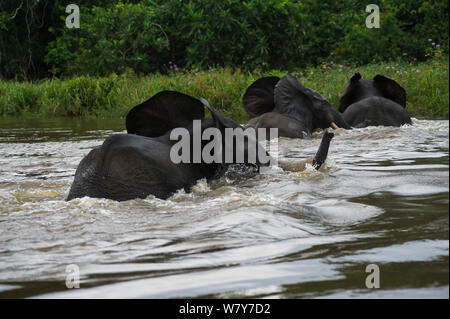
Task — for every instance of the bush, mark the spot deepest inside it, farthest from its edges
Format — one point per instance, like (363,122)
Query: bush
(405,27)
(19,99)
(112,39)
(426,84)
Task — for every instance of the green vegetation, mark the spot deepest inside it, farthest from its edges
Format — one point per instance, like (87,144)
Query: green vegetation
(126,51)
(426,84)
(145,35)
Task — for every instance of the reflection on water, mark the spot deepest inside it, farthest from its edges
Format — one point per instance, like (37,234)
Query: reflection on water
(381,198)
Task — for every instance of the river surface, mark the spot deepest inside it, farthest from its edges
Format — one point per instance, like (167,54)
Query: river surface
(382,198)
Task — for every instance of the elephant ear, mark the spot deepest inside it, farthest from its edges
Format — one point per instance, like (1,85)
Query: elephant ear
(390,89)
(162,112)
(258,98)
(293,98)
(348,96)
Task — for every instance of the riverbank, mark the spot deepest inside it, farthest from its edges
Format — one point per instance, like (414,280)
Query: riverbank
(426,84)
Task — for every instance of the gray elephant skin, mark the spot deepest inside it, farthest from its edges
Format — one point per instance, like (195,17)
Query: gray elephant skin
(289,106)
(373,102)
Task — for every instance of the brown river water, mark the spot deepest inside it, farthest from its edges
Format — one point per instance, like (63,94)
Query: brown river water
(382,198)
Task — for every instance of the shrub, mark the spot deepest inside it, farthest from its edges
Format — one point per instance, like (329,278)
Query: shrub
(151,36)
(426,84)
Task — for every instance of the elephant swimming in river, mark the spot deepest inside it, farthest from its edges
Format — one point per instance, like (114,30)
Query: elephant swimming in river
(141,163)
(288,105)
(373,102)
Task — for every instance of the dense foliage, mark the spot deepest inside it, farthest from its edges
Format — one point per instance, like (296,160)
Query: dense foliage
(168,35)
(426,84)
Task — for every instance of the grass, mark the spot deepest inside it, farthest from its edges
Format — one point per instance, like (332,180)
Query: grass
(426,84)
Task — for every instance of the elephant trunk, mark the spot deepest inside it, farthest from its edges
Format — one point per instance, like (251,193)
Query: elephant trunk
(322,152)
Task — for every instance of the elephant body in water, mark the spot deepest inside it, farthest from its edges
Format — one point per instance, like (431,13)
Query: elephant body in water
(140,163)
(373,102)
(288,105)
(128,166)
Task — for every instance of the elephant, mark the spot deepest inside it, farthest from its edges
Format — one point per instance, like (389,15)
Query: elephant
(373,102)
(288,105)
(140,163)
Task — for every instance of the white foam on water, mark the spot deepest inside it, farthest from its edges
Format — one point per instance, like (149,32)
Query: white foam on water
(343,212)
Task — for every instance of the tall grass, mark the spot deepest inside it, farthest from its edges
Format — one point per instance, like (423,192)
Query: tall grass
(426,85)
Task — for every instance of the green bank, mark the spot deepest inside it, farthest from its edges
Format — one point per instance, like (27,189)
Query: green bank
(426,84)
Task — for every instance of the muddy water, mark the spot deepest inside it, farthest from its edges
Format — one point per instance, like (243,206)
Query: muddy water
(382,198)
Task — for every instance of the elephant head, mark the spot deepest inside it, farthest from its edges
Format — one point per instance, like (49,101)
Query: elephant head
(289,106)
(241,142)
(357,89)
(168,110)
(293,99)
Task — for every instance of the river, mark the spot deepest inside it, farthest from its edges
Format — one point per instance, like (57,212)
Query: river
(381,199)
